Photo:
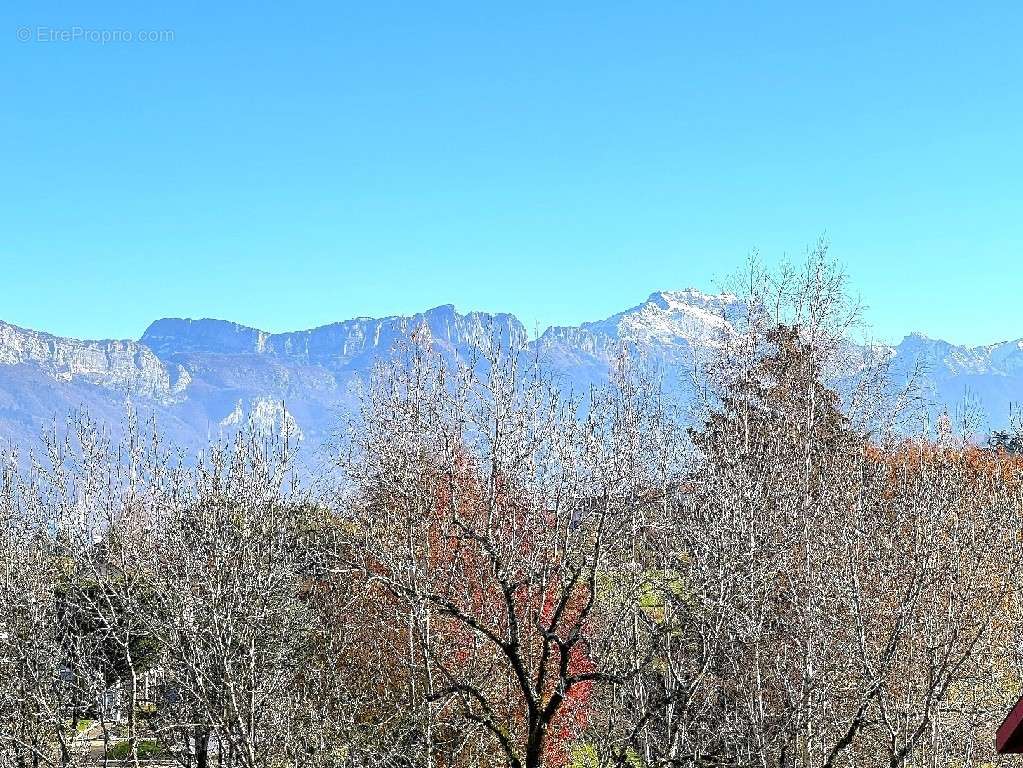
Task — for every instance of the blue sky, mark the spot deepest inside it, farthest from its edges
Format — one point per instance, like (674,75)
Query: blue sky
(289,165)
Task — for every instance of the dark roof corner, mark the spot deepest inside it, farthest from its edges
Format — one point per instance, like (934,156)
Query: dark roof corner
(1009,737)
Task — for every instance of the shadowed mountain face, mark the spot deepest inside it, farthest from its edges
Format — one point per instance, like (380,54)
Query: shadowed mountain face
(205,378)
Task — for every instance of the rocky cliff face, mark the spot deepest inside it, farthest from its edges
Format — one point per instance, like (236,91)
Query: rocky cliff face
(335,346)
(126,366)
(175,336)
(666,321)
(204,378)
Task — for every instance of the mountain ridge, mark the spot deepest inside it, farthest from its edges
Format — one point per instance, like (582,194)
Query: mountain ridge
(208,374)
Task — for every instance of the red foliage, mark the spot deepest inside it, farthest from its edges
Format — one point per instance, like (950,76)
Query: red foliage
(494,561)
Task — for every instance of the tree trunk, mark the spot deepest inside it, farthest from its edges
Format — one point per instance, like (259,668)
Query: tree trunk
(534,747)
(202,748)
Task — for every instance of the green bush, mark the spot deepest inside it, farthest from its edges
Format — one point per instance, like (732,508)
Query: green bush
(147,749)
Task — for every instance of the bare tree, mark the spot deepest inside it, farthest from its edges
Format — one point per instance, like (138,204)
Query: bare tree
(837,564)
(510,575)
(231,612)
(504,526)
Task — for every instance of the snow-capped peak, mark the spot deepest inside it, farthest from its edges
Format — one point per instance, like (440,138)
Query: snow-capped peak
(674,301)
(668,316)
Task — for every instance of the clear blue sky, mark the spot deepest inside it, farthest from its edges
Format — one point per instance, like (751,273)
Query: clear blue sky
(287,165)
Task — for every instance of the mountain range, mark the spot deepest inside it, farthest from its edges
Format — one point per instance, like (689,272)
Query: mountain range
(204,378)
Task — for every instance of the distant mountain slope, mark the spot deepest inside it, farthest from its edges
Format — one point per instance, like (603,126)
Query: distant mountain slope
(988,377)
(204,378)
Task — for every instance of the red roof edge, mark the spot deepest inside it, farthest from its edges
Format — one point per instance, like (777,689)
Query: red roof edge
(1009,738)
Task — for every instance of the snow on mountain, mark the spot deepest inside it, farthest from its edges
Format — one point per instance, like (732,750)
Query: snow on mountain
(988,377)
(941,359)
(667,319)
(204,378)
(668,316)
(671,329)
(263,415)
